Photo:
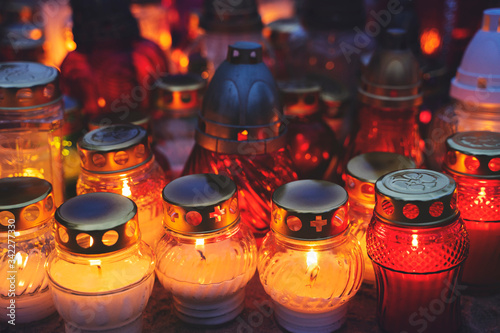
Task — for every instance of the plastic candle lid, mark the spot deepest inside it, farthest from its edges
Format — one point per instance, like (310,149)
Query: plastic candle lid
(200,203)
(475,153)
(309,210)
(180,95)
(28,84)
(96,223)
(26,200)
(478,76)
(300,97)
(415,197)
(114,148)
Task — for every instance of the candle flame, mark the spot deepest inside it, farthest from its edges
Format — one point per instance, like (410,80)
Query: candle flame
(200,242)
(126,189)
(414,241)
(312,259)
(95,262)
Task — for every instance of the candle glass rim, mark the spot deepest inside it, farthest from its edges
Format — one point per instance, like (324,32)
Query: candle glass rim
(209,237)
(26,234)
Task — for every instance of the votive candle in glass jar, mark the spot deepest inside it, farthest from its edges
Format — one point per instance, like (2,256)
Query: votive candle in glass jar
(417,243)
(26,240)
(31,117)
(361,174)
(118,159)
(207,256)
(101,273)
(309,263)
(473,160)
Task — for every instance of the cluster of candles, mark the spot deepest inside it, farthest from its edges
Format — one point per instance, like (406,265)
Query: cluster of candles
(239,207)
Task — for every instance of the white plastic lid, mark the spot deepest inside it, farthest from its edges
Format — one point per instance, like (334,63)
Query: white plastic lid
(478,77)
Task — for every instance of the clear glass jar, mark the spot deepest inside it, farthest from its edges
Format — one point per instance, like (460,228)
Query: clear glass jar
(31,118)
(26,240)
(473,160)
(117,159)
(101,274)
(361,174)
(207,256)
(309,263)
(418,244)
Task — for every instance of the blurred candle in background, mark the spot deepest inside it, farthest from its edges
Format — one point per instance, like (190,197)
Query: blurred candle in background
(31,120)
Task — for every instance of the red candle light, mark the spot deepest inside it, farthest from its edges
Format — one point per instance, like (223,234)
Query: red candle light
(418,244)
(473,159)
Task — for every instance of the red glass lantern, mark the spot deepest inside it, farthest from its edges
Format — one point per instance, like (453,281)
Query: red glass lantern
(473,159)
(390,94)
(311,143)
(241,133)
(112,69)
(418,244)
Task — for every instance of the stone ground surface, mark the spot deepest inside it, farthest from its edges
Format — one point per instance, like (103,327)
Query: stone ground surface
(480,315)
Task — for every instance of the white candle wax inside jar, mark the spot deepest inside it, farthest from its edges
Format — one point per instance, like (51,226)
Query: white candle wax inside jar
(312,280)
(33,300)
(204,270)
(104,292)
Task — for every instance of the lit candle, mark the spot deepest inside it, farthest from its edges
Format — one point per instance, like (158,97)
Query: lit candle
(309,263)
(362,172)
(473,160)
(207,256)
(101,274)
(418,244)
(26,239)
(118,159)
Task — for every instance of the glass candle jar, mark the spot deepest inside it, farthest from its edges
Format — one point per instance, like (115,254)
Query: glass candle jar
(390,95)
(417,243)
(311,142)
(26,240)
(174,120)
(309,263)
(101,273)
(473,160)
(207,256)
(475,91)
(361,174)
(241,132)
(31,117)
(118,159)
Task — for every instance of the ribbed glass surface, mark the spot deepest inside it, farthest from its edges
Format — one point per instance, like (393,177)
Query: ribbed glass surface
(32,295)
(310,277)
(209,268)
(257,176)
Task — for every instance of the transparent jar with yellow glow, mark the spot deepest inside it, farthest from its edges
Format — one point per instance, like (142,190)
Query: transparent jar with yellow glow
(26,240)
(361,174)
(118,159)
(31,116)
(207,256)
(101,274)
(309,263)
